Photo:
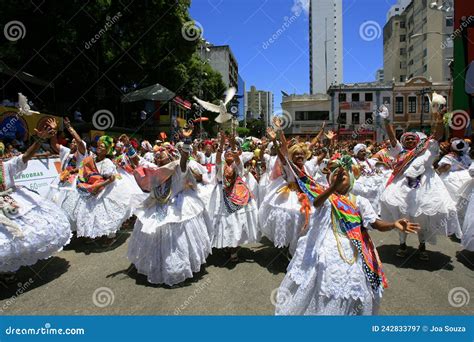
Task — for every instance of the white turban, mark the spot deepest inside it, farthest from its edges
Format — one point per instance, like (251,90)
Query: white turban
(358,148)
(459,145)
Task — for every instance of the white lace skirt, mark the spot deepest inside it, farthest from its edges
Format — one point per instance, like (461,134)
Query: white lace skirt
(170,252)
(430,205)
(467,240)
(232,229)
(103,214)
(371,188)
(45,228)
(279,216)
(455,181)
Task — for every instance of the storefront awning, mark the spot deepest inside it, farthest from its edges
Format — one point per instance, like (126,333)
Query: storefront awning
(156,92)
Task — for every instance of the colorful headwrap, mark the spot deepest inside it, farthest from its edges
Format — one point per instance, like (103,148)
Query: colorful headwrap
(2,148)
(108,143)
(299,147)
(134,143)
(349,221)
(409,134)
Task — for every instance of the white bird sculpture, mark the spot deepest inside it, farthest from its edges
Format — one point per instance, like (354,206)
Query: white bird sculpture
(221,107)
(436,101)
(23,106)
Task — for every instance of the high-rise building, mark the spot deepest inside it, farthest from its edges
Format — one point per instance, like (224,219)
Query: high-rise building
(222,60)
(325,41)
(398,8)
(417,43)
(259,104)
(379,75)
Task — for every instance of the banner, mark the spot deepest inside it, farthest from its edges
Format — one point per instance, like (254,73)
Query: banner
(39,174)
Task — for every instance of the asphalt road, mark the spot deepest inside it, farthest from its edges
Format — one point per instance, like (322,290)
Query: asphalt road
(89,280)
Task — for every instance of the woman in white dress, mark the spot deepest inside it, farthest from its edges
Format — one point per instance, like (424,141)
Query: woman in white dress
(467,239)
(103,205)
(170,240)
(336,269)
(62,189)
(371,182)
(416,191)
(233,209)
(453,169)
(31,227)
(285,212)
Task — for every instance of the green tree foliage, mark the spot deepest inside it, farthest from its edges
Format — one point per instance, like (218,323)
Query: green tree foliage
(90,50)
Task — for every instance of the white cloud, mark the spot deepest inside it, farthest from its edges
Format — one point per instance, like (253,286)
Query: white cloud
(300,6)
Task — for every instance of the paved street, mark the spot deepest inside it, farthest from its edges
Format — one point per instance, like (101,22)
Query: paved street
(65,284)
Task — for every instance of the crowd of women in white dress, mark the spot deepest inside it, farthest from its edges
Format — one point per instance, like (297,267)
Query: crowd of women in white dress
(319,198)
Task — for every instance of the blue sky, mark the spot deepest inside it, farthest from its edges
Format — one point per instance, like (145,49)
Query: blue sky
(247,26)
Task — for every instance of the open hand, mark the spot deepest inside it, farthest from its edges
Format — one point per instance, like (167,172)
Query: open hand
(407,227)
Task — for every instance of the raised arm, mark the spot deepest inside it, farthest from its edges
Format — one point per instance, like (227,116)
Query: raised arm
(41,137)
(438,128)
(220,148)
(80,144)
(317,138)
(53,127)
(131,153)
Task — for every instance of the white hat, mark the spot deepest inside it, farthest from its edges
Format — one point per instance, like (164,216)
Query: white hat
(358,148)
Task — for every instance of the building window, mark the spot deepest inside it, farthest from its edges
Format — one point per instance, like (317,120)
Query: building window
(425,68)
(449,21)
(425,52)
(386,100)
(426,105)
(369,97)
(342,118)
(399,105)
(402,24)
(403,51)
(412,104)
(403,38)
(355,118)
(312,115)
(342,97)
(411,62)
(402,78)
(403,65)
(355,97)
(368,118)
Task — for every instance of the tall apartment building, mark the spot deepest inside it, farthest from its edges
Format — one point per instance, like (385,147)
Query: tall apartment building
(259,104)
(325,41)
(222,60)
(379,75)
(416,43)
(398,8)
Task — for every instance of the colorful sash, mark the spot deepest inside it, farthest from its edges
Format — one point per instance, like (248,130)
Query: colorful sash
(123,162)
(406,159)
(350,222)
(88,175)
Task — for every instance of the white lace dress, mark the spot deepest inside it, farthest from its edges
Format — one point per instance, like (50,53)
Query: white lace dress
(102,214)
(467,240)
(430,204)
(171,241)
(371,182)
(232,228)
(265,178)
(42,228)
(458,175)
(207,168)
(318,280)
(128,184)
(60,191)
(279,215)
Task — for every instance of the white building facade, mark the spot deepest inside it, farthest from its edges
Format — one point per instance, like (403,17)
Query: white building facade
(325,39)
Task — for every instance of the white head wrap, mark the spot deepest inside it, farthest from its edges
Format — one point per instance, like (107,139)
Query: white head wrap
(358,148)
